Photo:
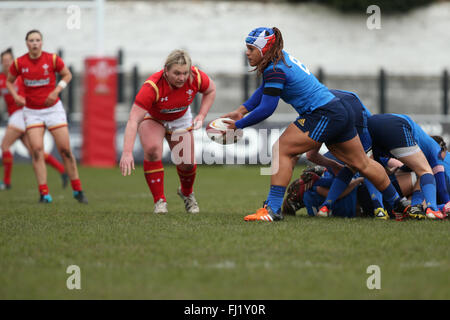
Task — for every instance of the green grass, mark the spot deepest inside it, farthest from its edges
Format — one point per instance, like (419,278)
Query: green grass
(127,252)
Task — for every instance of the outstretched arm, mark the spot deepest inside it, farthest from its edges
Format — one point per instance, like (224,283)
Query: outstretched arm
(207,101)
(126,161)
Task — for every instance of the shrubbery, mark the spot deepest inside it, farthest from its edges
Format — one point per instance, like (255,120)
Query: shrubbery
(387,6)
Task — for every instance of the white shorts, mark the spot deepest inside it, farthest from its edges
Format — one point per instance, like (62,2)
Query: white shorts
(405,151)
(16,120)
(183,124)
(52,118)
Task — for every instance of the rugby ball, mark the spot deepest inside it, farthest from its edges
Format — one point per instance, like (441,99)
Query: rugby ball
(217,131)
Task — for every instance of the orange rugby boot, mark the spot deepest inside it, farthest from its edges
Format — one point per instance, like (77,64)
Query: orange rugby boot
(264,214)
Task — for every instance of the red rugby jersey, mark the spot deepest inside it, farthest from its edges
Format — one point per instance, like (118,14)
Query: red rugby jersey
(166,103)
(39,77)
(7,96)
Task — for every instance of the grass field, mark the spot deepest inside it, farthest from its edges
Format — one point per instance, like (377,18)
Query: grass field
(125,251)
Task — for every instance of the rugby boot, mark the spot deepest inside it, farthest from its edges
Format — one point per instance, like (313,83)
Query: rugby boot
(190,203)
(435,215)
(416,212)
(45,198)
(264,214)
(401,207)
(160,207)
(79,195)
(324,212)
(381,214)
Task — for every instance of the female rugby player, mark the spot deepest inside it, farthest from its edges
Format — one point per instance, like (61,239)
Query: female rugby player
(161,110)
(323,119)
(16,126)
(43,109)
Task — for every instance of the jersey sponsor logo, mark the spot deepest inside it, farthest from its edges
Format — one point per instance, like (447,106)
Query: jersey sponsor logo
(174,110)
(301,121)
(24,70)
(36,83)
(164,99)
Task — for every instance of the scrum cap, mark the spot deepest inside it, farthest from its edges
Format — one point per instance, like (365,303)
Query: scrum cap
(261,38)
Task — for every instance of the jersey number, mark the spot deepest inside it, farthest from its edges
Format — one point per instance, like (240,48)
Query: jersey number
(301,65)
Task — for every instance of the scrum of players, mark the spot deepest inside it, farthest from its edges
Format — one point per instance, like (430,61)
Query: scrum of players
(383,165)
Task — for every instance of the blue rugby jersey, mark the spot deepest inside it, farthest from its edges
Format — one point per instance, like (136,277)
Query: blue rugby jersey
(299,87)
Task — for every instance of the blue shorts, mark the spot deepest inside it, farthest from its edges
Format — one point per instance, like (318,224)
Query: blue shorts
(351,101)
(391,133)
(331,123)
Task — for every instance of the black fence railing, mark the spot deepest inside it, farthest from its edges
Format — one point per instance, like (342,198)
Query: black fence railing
(248,82)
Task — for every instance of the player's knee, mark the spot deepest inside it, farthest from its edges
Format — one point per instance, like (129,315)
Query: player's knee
(186,167)
(65,153)
(37,153)
(153,153)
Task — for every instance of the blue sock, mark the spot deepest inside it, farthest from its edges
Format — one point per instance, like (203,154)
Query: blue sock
(275,197)
(338,186)
(375,195)
(428,186)
(394,182)
(417,198)
(390,195)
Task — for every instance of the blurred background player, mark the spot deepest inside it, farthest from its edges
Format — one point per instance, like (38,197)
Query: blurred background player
(312,187)
(43,109)
(322,118)
(398,136)
(16,126)
(161,110)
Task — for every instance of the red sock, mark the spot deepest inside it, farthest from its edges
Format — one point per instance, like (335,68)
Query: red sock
(43,189)
(76,185)
(154,175)
(7,165)
(51,160)
(187,179)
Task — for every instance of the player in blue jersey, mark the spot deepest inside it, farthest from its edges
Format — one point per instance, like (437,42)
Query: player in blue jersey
(312,187)
(445,155)
(322,119)
(398,136)
(352,102)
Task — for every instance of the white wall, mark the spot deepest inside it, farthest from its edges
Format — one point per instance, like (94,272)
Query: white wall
(214,32)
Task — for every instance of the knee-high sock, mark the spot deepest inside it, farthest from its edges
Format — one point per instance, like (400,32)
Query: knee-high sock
(52,161)
(375,195)
(76,185)
(154,175)
(187,179)
(275,197)
(7,166)
(417,198)
(428,186)
(391,196)
(338,186)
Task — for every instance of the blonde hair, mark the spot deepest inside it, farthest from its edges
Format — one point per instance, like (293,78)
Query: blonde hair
(180,57)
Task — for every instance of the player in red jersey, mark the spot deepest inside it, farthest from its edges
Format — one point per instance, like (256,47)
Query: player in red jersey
(16,126)
(42,108)
(161,110)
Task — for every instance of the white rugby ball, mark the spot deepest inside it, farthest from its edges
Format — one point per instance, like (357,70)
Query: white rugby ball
(217,131)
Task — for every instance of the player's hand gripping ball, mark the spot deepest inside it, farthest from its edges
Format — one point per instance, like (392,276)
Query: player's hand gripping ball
(217,131)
